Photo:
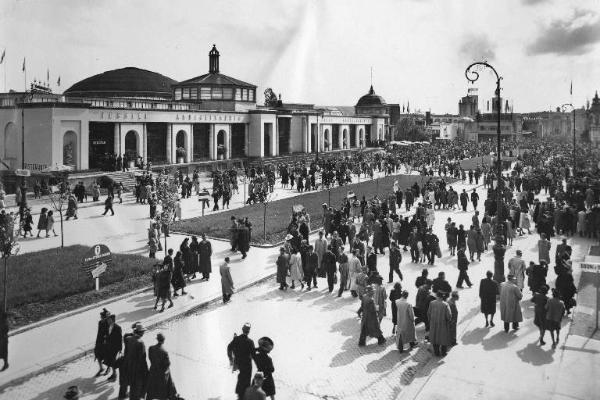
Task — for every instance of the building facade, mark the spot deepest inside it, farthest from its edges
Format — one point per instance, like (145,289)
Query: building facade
(138,113)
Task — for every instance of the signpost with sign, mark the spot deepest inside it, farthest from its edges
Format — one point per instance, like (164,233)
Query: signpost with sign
(22,172)
(96,261)
(593,267)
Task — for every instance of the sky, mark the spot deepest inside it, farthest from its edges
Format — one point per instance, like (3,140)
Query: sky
(319,52)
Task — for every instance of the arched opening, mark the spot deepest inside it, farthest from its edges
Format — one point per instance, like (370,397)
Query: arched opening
(380,134)
(345,141)
(267,134)
(131,145)
(336,142)
(11,144)
(70,149)
(180,147)
(326,140)
(314,141)
(361,138)
(221,147)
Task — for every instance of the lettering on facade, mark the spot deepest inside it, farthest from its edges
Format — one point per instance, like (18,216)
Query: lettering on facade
(192,117)
(123,115)
(208,117)
(343,120)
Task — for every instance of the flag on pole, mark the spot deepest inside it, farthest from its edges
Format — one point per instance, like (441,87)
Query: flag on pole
(23,64)
(2,56)
(58,81)
(48,75)
(571,91)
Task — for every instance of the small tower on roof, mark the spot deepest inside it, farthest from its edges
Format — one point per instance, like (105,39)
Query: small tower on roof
(213,60)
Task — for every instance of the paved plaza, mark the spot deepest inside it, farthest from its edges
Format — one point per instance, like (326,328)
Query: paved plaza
(316,354)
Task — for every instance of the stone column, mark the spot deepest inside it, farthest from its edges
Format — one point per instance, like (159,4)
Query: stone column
(212,143)
(246,139)
(189,144)
(117,139)
(144,144)
(84,148)
(228,143)
(169,144)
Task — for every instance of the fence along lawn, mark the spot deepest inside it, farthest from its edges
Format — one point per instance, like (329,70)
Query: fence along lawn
(279,211)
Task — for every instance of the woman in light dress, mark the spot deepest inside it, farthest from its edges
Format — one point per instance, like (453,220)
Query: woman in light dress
(296,273)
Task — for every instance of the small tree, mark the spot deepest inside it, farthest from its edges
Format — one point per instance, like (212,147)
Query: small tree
(9,231)
(59,201)
(167,194)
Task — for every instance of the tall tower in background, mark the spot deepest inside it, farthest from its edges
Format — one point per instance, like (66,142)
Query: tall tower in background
(468,106)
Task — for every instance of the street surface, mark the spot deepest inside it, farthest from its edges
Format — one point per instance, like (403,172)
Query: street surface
(316,335)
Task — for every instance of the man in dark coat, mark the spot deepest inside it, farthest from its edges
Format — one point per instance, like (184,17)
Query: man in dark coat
(488,289)
(113,345)
(135,367)
(240,352)
(463,266)
(464,200)
(440,284)
(395,260)
(100,340)
(243,239)
(312,265)
(160,383)
(474,199)
(204,253)
(282,269)
(329,265)
(369,324)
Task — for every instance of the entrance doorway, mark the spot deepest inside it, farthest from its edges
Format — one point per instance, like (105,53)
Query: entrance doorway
(131,146)
(101,145)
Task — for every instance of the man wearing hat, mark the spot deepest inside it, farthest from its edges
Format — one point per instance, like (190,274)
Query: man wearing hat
(240,352)
(439,316)
(134,370)
(516,267)
(510,307)
(160,382)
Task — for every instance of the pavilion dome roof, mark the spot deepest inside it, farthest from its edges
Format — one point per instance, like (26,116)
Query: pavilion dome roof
(124,82)
(371,100)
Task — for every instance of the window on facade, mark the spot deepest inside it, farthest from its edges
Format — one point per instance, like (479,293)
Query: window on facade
(205,93)
(251,95)
(217,93)
(186,93)
(227,93)
(238,94)
(245,94)
(177,94)
(194,93)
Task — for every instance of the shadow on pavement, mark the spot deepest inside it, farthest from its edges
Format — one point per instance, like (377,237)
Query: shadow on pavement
(474,336)
(536,355)
(96,388)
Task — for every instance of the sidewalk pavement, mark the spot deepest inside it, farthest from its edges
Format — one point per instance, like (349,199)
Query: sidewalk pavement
(493,365)
(52,344)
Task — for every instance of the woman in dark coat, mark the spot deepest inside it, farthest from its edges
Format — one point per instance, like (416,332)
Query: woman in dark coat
(186,255)
(461,238)
(113,345)
(194,262)
(540,299)
(264,364)
(395,294)
(566,288)
(369,324)
(488,289)
(100,348)
(178,279)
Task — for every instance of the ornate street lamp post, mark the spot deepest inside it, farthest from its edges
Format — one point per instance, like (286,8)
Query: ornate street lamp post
(472,75)
(564,108)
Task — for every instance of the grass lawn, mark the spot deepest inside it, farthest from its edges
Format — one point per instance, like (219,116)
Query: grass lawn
(48,282)
(279,211)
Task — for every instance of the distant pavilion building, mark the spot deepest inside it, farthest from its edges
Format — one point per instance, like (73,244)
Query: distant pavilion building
(138,113)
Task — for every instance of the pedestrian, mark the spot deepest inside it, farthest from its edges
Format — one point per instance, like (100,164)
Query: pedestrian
(439,315)
(264,364)
(296,273)
(113,345)
(243,241)
(108,205)
(160,381)
(405,317)
(344,269)
(312,265)
(134,367)
(240,352)
(440,284)
(369,325)
(4,325)
(510,308)
(164,288)
(488,290)
(255,391)
(282,269)
(544,246)
(395,260)
(555,310)
(421,280)
(329,265)
(379,297)
(320,249)
(178,278)
(454,319)
(463,266)
(516,267)
(152,243)
(472,242)
(101,333)
(204,255)
(50,224)
(540,299)
(226,280)
(395,294)
(42,222)
(536,275)
(566,288)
